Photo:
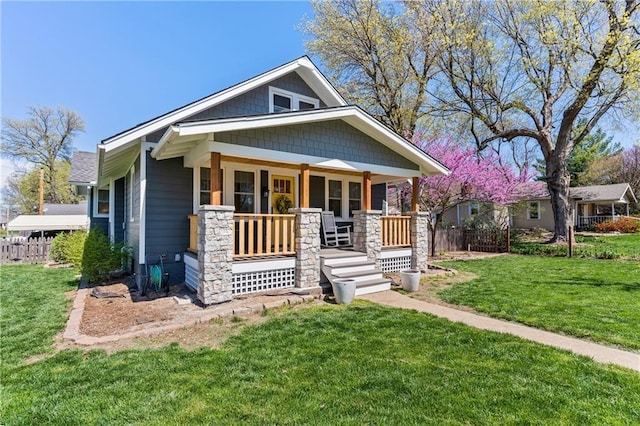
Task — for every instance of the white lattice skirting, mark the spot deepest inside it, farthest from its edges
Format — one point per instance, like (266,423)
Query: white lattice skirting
(255,282)
(263,275)
(395,264)
(395,260)
(191,271)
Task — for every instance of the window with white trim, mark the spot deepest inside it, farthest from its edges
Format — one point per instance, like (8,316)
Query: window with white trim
(102,202)
(205,185)
(335,197)
(355,197)
(283,100)
(474,208)
(533,210)
(132,174)
(244,191)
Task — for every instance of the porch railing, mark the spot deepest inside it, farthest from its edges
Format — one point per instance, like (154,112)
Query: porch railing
(396,231)
(193,233)
(587,221)
(255,235)
(264,235)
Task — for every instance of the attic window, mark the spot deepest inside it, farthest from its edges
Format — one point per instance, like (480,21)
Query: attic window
(281,103)
(283,100)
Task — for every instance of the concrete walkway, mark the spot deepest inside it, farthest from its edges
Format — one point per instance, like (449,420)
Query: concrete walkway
(599,353)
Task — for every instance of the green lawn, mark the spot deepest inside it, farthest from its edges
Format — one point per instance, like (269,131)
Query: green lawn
(33,309)
(361,364)
(588,298)
(625,246)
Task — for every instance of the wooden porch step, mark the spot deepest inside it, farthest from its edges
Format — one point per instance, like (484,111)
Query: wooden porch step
(359,276)
(352,267)
(372,286)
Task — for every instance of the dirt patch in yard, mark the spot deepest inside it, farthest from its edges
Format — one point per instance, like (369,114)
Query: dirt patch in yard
(432,281)
(131,320)
(121,311)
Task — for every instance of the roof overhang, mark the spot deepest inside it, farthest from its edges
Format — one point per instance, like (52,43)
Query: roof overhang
(114,163)
(303,66)
(48,223)
(183,139)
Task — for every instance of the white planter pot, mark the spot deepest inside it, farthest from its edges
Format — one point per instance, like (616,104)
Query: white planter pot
(344,290)
(410,280)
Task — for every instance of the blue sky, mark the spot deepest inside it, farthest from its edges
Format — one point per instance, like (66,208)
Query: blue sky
(121,63)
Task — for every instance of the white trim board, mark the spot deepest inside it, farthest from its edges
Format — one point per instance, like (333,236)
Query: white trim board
(243,267)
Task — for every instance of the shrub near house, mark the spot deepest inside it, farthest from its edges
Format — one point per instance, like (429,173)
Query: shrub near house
(625,225)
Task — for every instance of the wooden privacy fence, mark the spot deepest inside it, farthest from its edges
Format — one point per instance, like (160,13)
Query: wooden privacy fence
(396,231)
(448,240)
(22,250)
(494,241)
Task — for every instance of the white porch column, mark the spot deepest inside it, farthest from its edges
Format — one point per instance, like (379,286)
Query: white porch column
(613,211)
(215,253)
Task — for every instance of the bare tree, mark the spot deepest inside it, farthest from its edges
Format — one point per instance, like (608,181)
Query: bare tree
(382,56)
(503,71)
(530,69)
(44,138)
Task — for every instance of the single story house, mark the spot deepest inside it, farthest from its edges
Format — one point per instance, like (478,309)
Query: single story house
(460,214)
(590,205)
(229,189)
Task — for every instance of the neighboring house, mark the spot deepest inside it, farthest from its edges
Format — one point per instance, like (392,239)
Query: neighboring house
(590,205)
(201,186)
(56,218)
(79,208)
(462,212)
(84,176)
(47,225)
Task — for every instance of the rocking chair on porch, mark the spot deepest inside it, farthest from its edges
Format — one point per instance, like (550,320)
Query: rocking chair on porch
(334,235)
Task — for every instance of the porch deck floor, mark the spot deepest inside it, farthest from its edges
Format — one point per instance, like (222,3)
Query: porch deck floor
(332,252)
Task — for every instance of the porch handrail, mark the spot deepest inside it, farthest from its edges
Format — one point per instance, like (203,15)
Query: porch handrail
(396,231)
(264,235)
(193,233)
(594,219)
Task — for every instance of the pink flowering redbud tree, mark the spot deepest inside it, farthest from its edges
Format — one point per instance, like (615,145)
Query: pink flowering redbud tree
(473,178)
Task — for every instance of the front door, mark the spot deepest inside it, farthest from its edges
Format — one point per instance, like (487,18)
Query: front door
(281,193)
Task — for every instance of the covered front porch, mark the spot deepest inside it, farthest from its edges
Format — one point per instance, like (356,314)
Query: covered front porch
(234,253)
(260,184)
(590,214)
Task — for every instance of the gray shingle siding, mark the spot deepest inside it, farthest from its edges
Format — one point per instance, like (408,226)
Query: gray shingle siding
(155,136)
(256,101)
(328,139)
(169,201)
(101,223)
(253,102)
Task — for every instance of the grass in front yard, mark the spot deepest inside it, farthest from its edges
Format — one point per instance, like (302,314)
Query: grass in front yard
(33,309)
(626,245)
(359,364)
(593,299)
